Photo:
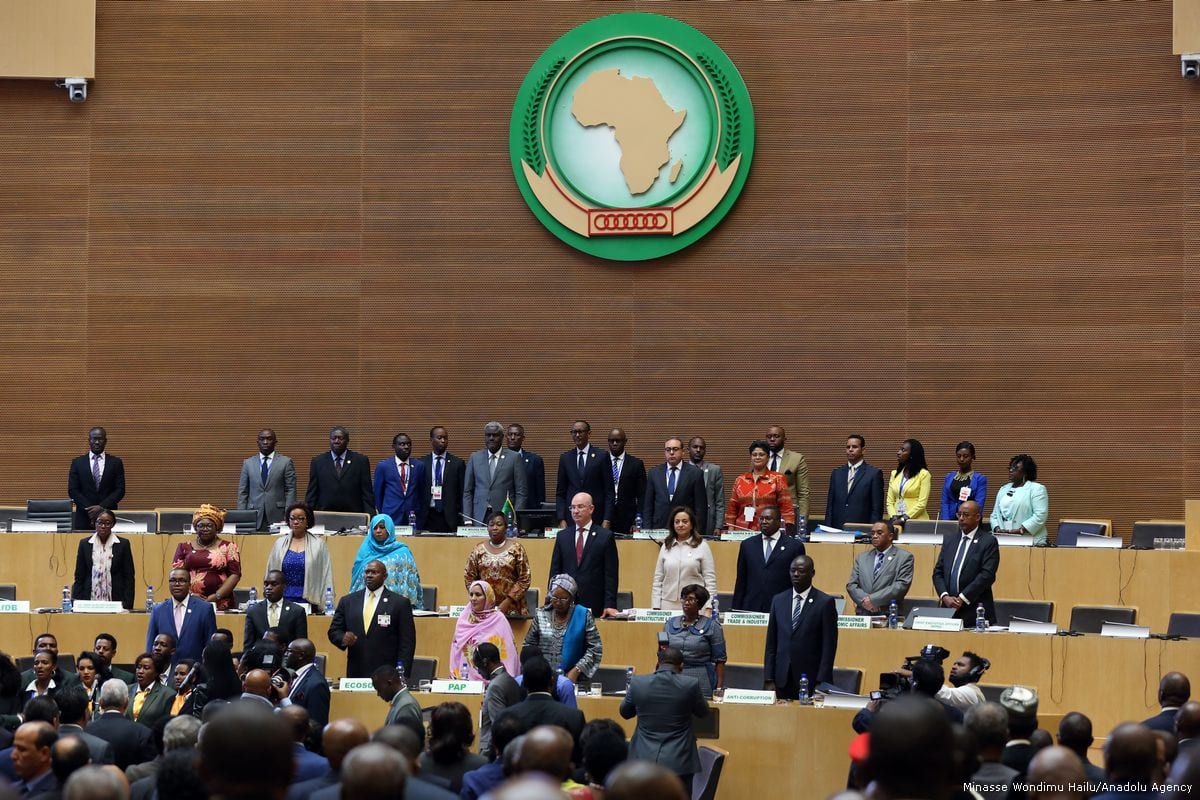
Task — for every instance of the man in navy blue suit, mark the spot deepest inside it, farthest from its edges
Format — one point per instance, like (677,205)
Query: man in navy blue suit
(801,634)
(399,484)
(763,562)
(855,488)
(535,468)
(189,619)
(579,470)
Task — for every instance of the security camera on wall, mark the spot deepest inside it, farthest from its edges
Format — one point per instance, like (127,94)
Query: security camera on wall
(1189,65)
(76,88)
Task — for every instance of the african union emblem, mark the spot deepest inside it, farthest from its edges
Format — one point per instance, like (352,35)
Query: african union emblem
(631,136)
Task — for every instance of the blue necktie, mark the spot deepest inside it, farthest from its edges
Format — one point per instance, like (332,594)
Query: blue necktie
(963,545)
(266,467)
(878,565)
(581,463)
(671,483)
(437,472)
(799,601)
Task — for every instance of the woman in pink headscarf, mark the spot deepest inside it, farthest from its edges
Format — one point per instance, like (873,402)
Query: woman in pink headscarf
(481,622)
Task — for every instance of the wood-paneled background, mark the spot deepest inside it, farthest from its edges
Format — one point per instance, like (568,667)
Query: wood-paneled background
(963,221)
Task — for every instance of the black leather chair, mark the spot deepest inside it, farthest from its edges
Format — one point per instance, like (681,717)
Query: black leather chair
(241,521)
(712,761)
(624,601)
(847,679)
(533,600)
(611,678)
(1180,624)
(57,511)
(1036,610)
(429,597)
(8,591)
(909,603)
(744,676)
(423,669)
(1090,619)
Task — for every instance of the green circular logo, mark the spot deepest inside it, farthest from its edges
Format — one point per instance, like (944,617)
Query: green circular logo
(631,136)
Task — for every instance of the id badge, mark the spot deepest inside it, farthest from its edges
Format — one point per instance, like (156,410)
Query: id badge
(748,513)
(384,620)
(964,494)
(437,492)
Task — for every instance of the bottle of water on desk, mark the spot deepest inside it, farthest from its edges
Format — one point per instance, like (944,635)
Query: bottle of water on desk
(464,674)
(803,694)
(329,601)
(149,599)
(637,524)
(66,601)
(252,596)
(400,672)
(716,607)
(893,615)
(981,620)
(412,521)
(628,679)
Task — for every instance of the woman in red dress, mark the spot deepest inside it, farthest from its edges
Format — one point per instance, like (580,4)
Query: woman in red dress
(215,565)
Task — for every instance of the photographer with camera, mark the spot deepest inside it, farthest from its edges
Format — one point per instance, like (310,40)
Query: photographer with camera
(965,674)
(921,675)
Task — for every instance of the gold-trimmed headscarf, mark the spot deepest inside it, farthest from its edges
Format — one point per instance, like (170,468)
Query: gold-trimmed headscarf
(209,511)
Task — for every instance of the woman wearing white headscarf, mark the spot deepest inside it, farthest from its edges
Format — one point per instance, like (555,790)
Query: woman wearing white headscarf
(566,632)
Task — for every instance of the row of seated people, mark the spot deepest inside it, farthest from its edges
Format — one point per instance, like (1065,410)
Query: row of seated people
(439,491)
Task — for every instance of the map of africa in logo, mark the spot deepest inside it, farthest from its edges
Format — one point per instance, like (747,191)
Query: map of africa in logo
(631,137)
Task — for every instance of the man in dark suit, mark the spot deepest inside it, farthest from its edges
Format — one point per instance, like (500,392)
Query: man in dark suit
(880,575)
(1173,691)
(274,612)
(535,468)
(105,647)
(855,488)
(399,484)
(443,489)
(308,687)
(340,480)
(664,704)
(966,567)
(31,759)
(579,471)
(72,715)
(801,634)
(96,481)
(626,487)
(374,626)
(588,553)
(495,476)
(268,482)
(502,692)
(186,617)
(675,483)
(132,743)
(763,563)
(714,481)
(339,738)
(540,707)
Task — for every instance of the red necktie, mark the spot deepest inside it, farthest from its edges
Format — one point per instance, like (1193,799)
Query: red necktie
(579,547)
(404,478)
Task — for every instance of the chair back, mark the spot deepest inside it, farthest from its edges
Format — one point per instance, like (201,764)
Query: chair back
(624,601)
(57,511)
(1090,619)
(712,762)
(335,521)
(429,597)
(1180,624)
(8,591)
(422,669)
(848,679)
(1036,610)
(241,521)
(611,678)
(744,676)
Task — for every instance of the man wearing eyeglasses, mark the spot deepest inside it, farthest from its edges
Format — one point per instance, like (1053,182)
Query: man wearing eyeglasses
(675,483)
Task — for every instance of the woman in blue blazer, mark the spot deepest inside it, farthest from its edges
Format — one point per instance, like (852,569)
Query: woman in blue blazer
(1022,505)
(964,483)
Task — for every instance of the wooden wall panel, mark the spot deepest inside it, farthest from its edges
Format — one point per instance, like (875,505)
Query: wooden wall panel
(962,222)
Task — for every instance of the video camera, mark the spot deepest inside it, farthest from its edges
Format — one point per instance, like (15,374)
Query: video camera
(892,685)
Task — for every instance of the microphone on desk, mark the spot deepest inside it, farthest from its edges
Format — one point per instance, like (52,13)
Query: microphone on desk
(123,519)
(477,522)
(740,528)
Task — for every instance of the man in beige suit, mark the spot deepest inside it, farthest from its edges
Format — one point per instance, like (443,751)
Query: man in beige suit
(791,465)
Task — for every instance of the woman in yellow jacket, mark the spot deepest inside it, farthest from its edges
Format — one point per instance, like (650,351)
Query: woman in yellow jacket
(908,489)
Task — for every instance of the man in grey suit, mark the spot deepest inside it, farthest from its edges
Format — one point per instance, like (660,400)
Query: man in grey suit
(502,692)
(880,575)
(664,704)
(268,482)
(714,482)
(494,474)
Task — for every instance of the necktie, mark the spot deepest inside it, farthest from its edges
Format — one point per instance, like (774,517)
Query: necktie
(616,470)
(492,466)
(850,478)
(579,547)
(671,484)
(775,462)
(404,478)
(139,701)
(266,467)
(581,463)
(368,610)
(798,606)
(273,615)
(338,465)
(961,555)
(878,564)
(768,546)
(437,472)
(96,470)
(179,611)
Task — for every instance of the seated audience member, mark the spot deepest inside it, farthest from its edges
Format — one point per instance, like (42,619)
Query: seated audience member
(68,754)
(701,640)
(73,716)
(480,622)
(95,782)
(758,489)
(31,758)
(964,483)
(801,634)
(104,565)
(132,743)
(910,742)
(152,700)
(762,564)
(105,647)
(302,559)
(564,687)
(1173,691)
(482,780)
(908,486)
(989,723)
(540,707)
(1022,506)
(308,765)
(337,740)
(664,704)
(965,674)
(308,687)
(381,545)
(391,690)
(882,574)
(373,771)
(246,754)
(1187,728)
(566,632)
(449,755)
(275,612)
(502,691)
(213,564)
(504,564)
(546,750)
(404,740)
(1056,773)
(684,559)
(641,780)
(1021,703)
(1075,734)
(1130,756)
